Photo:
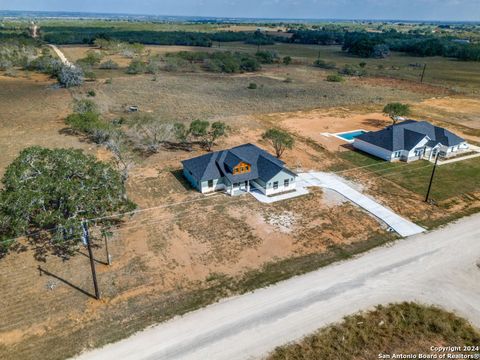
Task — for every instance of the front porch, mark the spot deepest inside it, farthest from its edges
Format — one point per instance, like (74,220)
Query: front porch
(237,189)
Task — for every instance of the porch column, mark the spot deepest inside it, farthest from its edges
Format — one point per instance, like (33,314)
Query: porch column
(248,185)
(231,189)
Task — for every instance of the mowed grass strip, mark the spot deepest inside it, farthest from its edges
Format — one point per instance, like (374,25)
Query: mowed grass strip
(405,328)
(450,180)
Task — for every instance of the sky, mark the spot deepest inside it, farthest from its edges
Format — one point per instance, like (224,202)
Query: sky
(468,10)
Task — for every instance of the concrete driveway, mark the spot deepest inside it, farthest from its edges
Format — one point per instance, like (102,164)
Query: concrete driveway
(435,268)
(401,225)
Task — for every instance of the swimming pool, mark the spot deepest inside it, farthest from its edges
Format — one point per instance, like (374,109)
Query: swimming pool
(350,135)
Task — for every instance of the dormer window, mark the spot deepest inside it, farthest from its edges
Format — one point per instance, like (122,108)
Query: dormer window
(241,168)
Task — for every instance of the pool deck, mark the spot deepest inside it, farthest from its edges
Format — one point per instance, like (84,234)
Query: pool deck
(339,135)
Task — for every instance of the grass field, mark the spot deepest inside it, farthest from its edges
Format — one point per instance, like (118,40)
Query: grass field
(453,74)
(405,328)
(458,75)
(450,179)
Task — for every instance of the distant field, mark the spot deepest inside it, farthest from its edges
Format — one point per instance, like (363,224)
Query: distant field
(454,74)
(405,328)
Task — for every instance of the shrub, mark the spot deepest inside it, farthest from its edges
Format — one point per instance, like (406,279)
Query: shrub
(84,122)
(352,70)
(267,57)
(92,58)
(136,67)
(287,60)
(362,64)
(91,93)
(85,106)
(252,86)
(324,64)
(335,78)
(109,65)
(90,75)
(70,76)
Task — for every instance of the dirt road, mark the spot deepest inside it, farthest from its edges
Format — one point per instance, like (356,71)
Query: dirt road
(437,268)
(61,55)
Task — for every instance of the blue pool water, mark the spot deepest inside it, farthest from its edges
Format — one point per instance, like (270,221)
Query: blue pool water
(349,136)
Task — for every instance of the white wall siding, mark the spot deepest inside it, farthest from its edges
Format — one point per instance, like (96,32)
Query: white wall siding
(218,184)
(280,178)
(372,149)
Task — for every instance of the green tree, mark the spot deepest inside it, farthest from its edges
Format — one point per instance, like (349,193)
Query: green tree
(396,110)
(217,130)
(280,140)
(47,193)
(199,128)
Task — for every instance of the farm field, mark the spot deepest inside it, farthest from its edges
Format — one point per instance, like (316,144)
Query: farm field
(170,259)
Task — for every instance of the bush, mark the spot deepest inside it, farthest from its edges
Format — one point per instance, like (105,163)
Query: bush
(70,76)
(136,67)
(335,78)
(91,59)
(287,60)
(85,106)
(84,122)
(91,93)
(267,57)
(324,64)
(109,65)
(252,86)
(351,70)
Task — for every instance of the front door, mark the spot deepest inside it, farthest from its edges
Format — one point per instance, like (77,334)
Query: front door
(243,185)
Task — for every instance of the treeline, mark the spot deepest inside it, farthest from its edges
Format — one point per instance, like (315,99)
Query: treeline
(87,35)
(360,43)
(379,44)
(70,35)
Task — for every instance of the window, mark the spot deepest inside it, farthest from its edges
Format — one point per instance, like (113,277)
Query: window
(286,183)
(275,185)
(210,183)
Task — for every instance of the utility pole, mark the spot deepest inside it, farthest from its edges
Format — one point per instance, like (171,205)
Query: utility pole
(86,241)
(431,178)
(423,72)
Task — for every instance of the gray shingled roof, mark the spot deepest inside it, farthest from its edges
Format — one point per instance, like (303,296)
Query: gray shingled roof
(218,164)
(407,134)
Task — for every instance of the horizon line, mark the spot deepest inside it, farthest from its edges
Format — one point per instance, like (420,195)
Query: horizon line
(207,17)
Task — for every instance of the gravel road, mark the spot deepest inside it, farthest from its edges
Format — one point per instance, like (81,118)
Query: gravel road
(438,267)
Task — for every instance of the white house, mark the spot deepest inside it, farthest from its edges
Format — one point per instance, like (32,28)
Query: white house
(238,170)
(410,140)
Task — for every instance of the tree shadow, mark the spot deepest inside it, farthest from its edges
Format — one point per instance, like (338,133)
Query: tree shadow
(66,282)
(178,174)
(376,122)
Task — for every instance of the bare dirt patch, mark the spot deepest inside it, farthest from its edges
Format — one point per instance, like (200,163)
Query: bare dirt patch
(461,113)
(33,112)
